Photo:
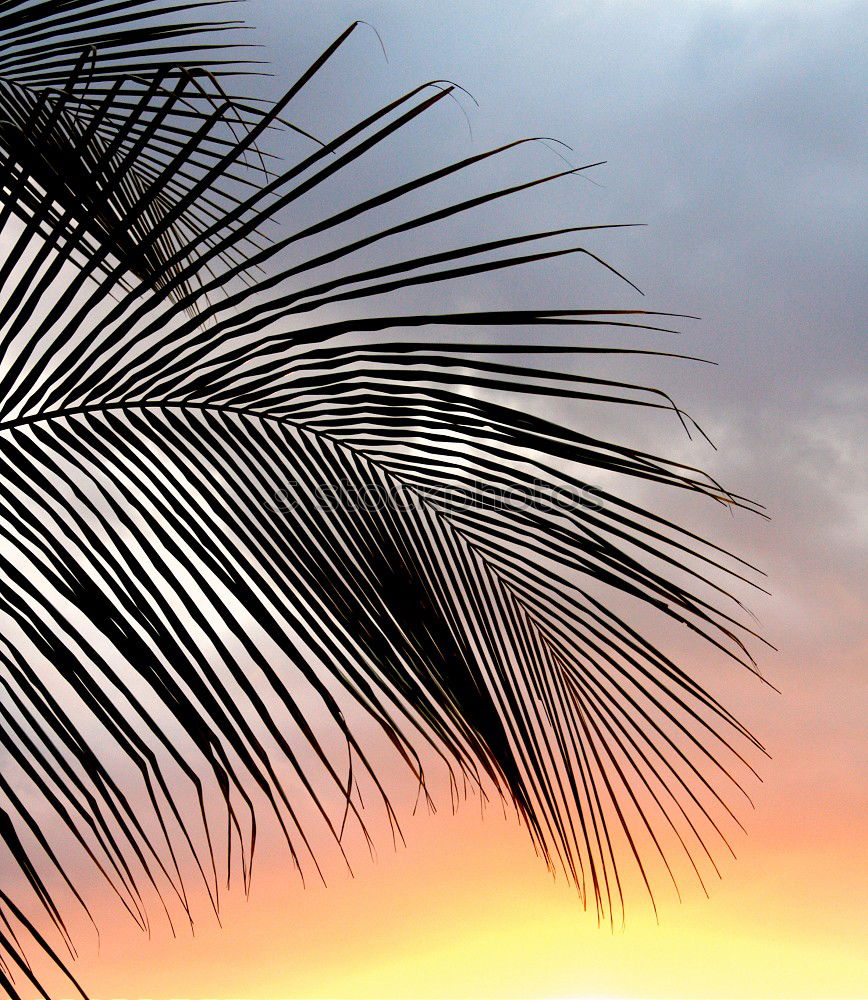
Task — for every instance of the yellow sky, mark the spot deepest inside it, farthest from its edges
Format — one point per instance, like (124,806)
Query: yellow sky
(466,910)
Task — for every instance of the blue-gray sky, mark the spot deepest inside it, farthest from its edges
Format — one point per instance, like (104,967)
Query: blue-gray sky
(736,132)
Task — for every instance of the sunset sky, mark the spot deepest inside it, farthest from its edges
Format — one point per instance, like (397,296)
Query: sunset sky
(734,130)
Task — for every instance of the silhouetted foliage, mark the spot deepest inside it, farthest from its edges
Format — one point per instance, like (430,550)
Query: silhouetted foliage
(168,371)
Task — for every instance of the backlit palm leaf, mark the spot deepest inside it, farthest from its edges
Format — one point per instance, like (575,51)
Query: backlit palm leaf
(244,521)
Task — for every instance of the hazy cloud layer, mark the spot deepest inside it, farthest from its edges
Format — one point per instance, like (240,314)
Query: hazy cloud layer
(734,130)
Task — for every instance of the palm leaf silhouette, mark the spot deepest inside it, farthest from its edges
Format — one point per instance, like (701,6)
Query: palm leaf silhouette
(236,483)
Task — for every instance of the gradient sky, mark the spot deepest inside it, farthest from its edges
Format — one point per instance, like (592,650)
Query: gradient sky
(734,131)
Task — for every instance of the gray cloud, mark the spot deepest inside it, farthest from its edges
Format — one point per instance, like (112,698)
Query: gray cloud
(735,131)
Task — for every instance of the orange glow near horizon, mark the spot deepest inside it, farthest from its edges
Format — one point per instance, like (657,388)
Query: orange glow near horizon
(467,910)
(455,916)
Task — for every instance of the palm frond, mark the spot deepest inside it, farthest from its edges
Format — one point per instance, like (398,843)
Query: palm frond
(430,565)
(43,40)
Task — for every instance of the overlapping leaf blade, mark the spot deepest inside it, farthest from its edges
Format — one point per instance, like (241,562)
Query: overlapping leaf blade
(227,514)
